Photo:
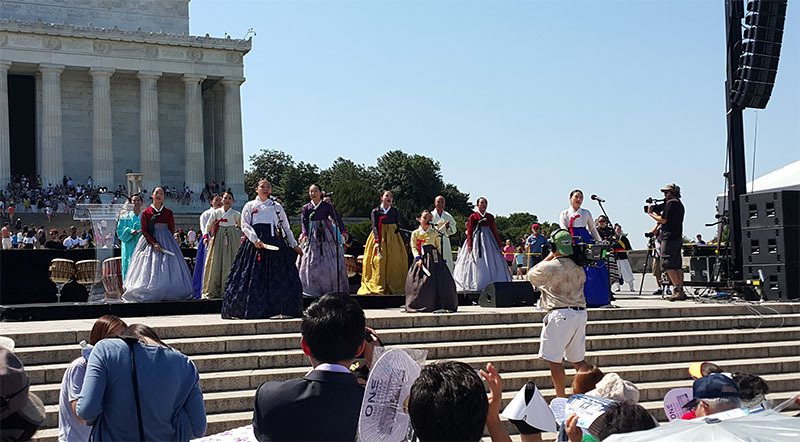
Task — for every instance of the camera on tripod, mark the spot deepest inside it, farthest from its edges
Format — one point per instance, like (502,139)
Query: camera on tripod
(656,203)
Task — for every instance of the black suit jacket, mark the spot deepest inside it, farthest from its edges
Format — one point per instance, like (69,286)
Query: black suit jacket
(323,405)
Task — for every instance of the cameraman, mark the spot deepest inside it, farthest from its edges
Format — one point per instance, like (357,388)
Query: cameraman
(671,221)
(564,332)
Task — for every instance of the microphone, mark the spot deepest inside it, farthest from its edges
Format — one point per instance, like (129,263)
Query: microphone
(596,198)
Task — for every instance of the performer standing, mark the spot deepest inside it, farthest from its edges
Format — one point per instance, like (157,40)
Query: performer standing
(435,289)
(224,238)
(444,223)
(128,229)
(157,271)
(264,281)
(200,257)
(322,267)
(480,260)
(385,257)
(621,249)
(580,223)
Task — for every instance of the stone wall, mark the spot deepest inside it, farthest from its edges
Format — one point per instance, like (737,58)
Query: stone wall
(76,123)
(171,128)
(125,124)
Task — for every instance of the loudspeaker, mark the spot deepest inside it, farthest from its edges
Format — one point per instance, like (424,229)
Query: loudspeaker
(777,245)
(761,47)
(508,294)
(770,209)
(781,281)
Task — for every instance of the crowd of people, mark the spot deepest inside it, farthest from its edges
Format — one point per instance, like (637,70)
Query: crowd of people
(122,366)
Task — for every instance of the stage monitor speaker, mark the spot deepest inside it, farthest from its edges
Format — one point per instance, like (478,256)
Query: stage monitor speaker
(508,294)
(777,245)
(781,281)
(761,47)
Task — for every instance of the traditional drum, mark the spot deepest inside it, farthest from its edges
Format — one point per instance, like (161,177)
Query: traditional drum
(62,270)
(86,271)
(351,265)
(112,277)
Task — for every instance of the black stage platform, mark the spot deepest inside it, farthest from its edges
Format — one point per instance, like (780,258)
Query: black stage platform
(93,310)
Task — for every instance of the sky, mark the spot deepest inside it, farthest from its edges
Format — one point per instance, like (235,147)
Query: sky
(520,101)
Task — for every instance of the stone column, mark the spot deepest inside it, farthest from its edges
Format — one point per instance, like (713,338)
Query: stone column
(52,162)
(103,165)
(195,154)
(234,155)
(5,143)
(150,147)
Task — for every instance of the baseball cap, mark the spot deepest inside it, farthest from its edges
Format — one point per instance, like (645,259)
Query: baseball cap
(671,187)
(15,395)
(534,225)
(563,241)
(712,386)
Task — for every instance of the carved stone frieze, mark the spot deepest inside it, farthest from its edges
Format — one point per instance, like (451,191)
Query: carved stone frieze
(102,47)
(51,43)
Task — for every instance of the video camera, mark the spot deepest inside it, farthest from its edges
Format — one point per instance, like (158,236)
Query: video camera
(583,254)
(656,203)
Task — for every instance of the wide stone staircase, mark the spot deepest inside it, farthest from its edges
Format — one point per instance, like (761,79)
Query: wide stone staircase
(651,347)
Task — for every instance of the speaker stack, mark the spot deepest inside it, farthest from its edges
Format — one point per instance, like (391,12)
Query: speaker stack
(508,294)
(771,235)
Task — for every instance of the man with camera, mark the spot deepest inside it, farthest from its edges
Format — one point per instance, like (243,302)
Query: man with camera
(670,217)
(560,281)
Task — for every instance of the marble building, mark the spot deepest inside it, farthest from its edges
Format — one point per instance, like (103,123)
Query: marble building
(100,87)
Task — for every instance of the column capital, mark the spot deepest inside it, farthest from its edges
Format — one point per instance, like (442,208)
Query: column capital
(100,71)
(193,78)
(232,81)
(149,75)
(5,65)
(55,68)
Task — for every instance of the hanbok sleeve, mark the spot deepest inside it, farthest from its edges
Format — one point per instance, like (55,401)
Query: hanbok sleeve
(210,223)
(145,228)
(563,222)
(451,230)
(304,215)
(415,237)
(591,228)
(170,220)
(437,241)
(338,218)
(125,229)
(287,228)
(247,221)
(470,229)
(374,217)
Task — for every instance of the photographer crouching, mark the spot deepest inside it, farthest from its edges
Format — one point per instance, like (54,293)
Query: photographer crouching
(561,281)
(670,217)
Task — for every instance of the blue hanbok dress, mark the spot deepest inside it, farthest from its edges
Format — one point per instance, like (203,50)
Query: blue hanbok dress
(596,288)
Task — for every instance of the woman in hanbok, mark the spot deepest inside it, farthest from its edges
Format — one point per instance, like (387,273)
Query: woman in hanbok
(429,284)
(580,223)
(224,238)
(264,282)
(480,260)
(200,257)
(322,266)
(157,271)
(385,258)
(128,230)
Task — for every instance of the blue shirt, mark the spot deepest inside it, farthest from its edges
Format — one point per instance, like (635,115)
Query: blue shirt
(535,243)
(169,392)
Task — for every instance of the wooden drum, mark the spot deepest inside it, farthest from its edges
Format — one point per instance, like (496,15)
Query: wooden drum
(112,277)
(62,270)
(86,271)
(351,265)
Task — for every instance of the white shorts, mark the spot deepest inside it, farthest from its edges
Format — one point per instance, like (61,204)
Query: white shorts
(7,243)
(563,336)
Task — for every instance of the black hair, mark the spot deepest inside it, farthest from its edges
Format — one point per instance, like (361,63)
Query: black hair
(750,386)
(140,332)
(477,201)
(575,191)
(624,417)
(317,186)
(448,402)
(227,192)
(333,328)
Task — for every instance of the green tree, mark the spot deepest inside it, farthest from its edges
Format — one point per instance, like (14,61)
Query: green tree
(269,164)
(295,181)
(515,226)
(354,198)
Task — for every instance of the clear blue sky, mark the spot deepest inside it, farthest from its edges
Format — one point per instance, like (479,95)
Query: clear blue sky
(520,101)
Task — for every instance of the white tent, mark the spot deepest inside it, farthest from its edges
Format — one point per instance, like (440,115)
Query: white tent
(785,178)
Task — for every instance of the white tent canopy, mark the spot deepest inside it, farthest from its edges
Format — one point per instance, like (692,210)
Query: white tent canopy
(785,178)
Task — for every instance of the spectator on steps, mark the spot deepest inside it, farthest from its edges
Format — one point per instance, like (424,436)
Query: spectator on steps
(73,242)
(164,403)
(712,394)
(70,427)
(448,402)
(586,379)
(21,412)
(325,403)
(54,242)
(752,389)
(619,418)
(564,332)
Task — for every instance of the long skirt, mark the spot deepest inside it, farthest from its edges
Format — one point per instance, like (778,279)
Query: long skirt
(385,273)
(263,283)
(199,267)
(219,260)
(322,267)
(595,290)
(157,276)
(626,271)
(483,265)
(429,293)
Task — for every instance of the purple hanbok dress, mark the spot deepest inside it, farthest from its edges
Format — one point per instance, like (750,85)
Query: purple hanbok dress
(322,267)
